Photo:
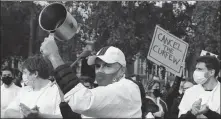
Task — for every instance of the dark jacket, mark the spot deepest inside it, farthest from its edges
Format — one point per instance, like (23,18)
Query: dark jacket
(64,74)
(171,97)
(67,112)
(174,109)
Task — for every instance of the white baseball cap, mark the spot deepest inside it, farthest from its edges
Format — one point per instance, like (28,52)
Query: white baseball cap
(109,55)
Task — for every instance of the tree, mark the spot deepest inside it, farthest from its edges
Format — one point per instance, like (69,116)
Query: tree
(16,23)
(130,25)
(206,31)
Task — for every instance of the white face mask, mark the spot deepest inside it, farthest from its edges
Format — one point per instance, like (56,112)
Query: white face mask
(199,77)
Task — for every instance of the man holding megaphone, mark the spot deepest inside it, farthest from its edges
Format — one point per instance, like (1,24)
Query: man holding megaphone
(115,97)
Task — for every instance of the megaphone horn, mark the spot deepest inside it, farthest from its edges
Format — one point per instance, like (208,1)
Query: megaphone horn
(54,18)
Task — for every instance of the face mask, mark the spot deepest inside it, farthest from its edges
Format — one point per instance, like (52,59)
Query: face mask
(199,78)
(156,92)
(7,80)
(104,79)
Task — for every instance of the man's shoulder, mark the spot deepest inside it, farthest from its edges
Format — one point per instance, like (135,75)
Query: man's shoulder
(194,87)
(131,86)
(123,85)
(194,90)
(53,87)
(128,82)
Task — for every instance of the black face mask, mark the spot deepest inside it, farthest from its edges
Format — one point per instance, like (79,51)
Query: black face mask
(156,92)
(7,80)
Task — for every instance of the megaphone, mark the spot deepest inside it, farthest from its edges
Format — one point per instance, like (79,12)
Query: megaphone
(54,18)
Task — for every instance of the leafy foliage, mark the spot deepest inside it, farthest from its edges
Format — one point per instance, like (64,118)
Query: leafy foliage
(206,16)
(128,25)
(15,30)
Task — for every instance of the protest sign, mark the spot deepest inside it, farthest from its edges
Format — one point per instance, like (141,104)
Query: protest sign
(203,52)
(167,50)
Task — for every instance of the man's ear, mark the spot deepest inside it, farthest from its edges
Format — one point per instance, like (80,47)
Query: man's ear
(212,73)
(36,74)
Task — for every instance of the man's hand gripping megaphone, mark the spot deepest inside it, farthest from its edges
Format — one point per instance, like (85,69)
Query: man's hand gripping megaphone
(49,49)
(49,46)
(63,74)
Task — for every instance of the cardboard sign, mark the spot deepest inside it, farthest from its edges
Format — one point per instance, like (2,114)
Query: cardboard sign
(203,52)
(167,50)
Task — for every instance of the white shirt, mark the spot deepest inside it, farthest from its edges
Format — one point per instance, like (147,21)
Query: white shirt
(121,99)
(211,98)
(47,99)
(7,96)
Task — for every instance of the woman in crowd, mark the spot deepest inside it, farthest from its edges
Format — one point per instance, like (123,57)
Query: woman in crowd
(155,107)
(174,95)
(39,99)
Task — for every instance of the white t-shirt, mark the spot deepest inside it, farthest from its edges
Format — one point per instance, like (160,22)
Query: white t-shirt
(47,99)
(211,98)
(118,100)
(7,96)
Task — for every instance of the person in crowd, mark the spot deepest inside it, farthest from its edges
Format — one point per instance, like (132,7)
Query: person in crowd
(203,100)
(115,97)
(18,79)
(39,99)
(172,92)
(184,85)
(154,105)
(8,89)
(171,89)
(87,74)
(175,95)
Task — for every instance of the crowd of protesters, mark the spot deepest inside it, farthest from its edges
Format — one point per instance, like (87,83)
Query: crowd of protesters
(103,90)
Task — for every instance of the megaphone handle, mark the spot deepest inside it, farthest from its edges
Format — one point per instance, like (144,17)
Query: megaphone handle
(51,35)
